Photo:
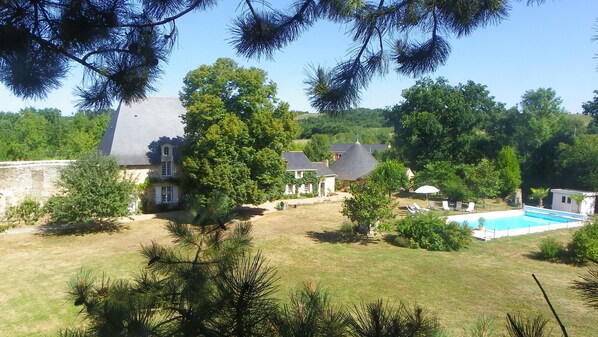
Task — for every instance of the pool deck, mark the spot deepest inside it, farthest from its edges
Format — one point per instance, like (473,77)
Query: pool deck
(489,234)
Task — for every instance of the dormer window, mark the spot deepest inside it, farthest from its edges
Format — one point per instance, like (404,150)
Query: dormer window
(166,151)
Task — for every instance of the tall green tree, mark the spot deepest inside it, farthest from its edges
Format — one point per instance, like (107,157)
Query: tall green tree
(438,121)
(591,108)
(235,131)
(391,176)
(124,43)
(539,129)
(578,163)
(318,148)
(483,179)
(509,171)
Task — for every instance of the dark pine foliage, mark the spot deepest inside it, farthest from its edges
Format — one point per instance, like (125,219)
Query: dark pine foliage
(123,44)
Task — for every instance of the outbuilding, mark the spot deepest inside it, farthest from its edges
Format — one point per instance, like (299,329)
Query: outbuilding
(564,200)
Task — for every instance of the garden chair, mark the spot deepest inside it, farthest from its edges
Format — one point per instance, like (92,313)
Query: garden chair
(458,206)
(470,207)
(445,205)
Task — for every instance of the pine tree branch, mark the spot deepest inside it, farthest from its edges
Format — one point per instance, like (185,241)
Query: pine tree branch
(551,307)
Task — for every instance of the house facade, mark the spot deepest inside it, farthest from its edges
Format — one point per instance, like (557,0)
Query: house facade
(305,177)
(144,137)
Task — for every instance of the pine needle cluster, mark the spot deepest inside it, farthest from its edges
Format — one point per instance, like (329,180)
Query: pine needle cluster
(123,44)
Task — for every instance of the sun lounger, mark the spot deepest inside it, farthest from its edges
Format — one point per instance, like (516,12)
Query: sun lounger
(458,206)
(445,205)
(419,209)
(470,207)
(411,210)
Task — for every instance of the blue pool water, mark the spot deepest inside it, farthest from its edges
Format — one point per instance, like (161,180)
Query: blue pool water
(525,220)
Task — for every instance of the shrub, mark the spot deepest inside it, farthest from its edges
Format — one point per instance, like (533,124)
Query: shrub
(92,190)
(550,249)
(431,232)
(402,241)
(584,245)
(27,212)
(347,228)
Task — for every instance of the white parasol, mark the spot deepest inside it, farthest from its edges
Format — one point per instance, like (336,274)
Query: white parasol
(427,189)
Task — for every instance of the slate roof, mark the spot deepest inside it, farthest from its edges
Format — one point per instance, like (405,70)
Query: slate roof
(297,161)
(137,131)
(322,170)
(355,163)
(371,148)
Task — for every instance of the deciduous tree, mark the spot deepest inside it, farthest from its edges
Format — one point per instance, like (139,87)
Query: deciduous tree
(578,163)
(368,204)
(391,176)
(235,131)
(318,148)
(591,108)
(441,122)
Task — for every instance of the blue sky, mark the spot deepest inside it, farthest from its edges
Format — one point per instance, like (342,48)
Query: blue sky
(539,46)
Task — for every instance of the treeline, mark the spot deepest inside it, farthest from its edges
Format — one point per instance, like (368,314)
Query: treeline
(369,125)
(439,125)
(36,134)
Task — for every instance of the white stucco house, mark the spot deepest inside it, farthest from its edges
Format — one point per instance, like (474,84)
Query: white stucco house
(562,201)
(306,177)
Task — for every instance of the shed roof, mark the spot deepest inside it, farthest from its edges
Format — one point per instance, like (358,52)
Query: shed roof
(322,170)
(355,163)
(297,161)
(565,191)
(138,129)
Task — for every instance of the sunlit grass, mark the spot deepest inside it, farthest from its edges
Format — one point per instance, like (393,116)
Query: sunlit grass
(490,278)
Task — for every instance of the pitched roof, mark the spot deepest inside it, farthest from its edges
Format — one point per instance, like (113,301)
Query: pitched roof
(343,147)
(137,130)
(322,170)
(297,161)
(355,163)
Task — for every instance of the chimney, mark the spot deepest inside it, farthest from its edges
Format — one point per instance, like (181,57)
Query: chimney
(325,161)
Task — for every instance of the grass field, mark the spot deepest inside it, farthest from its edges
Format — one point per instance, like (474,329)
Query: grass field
(490,278)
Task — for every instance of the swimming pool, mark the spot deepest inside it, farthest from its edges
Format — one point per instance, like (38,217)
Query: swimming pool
(518,222)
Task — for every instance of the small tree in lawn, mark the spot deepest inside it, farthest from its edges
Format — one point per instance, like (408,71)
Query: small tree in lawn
(92,190)
(391,176)
(578,198)
(539,194)
(368,204)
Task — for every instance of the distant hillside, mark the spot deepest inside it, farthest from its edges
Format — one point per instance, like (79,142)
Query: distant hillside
(367,123)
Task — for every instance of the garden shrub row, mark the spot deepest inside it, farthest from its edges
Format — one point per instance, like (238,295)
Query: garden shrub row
(582,248)
(429,231)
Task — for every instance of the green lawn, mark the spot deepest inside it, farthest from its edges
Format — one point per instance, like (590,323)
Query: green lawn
(490,278)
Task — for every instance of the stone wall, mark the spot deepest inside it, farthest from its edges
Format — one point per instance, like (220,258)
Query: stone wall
(22,179)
